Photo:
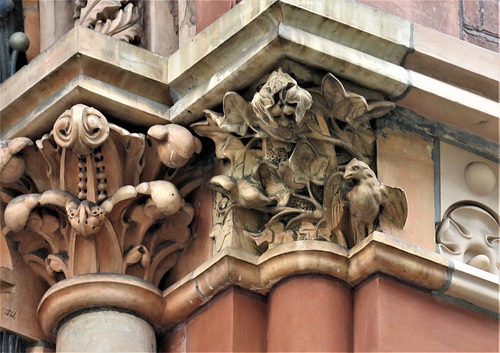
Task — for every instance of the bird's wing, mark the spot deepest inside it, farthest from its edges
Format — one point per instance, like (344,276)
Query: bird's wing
(394,205)
(334,200)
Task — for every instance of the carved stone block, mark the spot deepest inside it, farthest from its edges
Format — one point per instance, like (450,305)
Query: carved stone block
(295,165)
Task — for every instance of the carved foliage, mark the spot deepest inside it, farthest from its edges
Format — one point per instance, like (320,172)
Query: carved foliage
(119,19)
(470,233)
(284,154)
(93,197)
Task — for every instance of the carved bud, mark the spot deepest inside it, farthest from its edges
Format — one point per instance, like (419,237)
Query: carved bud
(177,144)
(164,194)
(12,167)
(81,129)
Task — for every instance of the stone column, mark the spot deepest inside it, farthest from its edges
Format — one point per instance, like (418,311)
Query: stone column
(106,330)
(101,313)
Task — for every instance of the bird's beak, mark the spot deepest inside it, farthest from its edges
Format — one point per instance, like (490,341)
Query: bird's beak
(348,175)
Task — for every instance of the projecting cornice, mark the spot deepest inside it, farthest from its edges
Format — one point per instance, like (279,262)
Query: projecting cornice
(87,67)
(437,76)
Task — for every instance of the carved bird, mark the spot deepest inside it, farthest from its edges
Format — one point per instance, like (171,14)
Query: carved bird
(365,202)
(244,193)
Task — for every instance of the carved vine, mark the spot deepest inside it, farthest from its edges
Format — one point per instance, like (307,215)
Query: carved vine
(296,165)
(91,197)
(470,233)
(120,19)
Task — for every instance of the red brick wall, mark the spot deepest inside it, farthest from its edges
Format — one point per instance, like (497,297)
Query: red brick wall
(480,23)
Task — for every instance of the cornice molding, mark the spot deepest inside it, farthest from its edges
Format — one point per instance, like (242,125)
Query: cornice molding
(89,67)
(377,254)
(416,66)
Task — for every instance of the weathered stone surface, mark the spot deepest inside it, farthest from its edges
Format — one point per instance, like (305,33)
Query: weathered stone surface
(451,60)
(416,176)
(109,331)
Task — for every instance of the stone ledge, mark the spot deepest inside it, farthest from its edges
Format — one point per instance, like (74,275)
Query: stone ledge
(83,52)
(253,39)
(474,286)
(378,253)
(112,101)
(419,73)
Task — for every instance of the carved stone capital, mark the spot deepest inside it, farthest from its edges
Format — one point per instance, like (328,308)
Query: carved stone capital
(93,197)
(297,166)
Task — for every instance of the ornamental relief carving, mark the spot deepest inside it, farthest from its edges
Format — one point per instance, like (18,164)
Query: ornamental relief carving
(120,19)
(92,197)
(297,164)
(470,233)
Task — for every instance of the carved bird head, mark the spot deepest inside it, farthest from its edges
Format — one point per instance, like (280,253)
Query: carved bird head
(358,170)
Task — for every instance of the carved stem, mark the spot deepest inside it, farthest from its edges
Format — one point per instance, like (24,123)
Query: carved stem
(338,142)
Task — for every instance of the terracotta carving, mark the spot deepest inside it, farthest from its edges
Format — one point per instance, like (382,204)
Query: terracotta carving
(366,200)
(295,165)
(470,233)
(120,19)
(92,197)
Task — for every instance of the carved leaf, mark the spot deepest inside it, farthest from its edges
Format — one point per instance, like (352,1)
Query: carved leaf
(96,10)
(273,184)
(304,164)
(138,254)
(18,210)
(130,149)
(56,263)
(124,26)
(238,115)
(300,99)
(378,109)
(227,146)
(306,160)
(348,106)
